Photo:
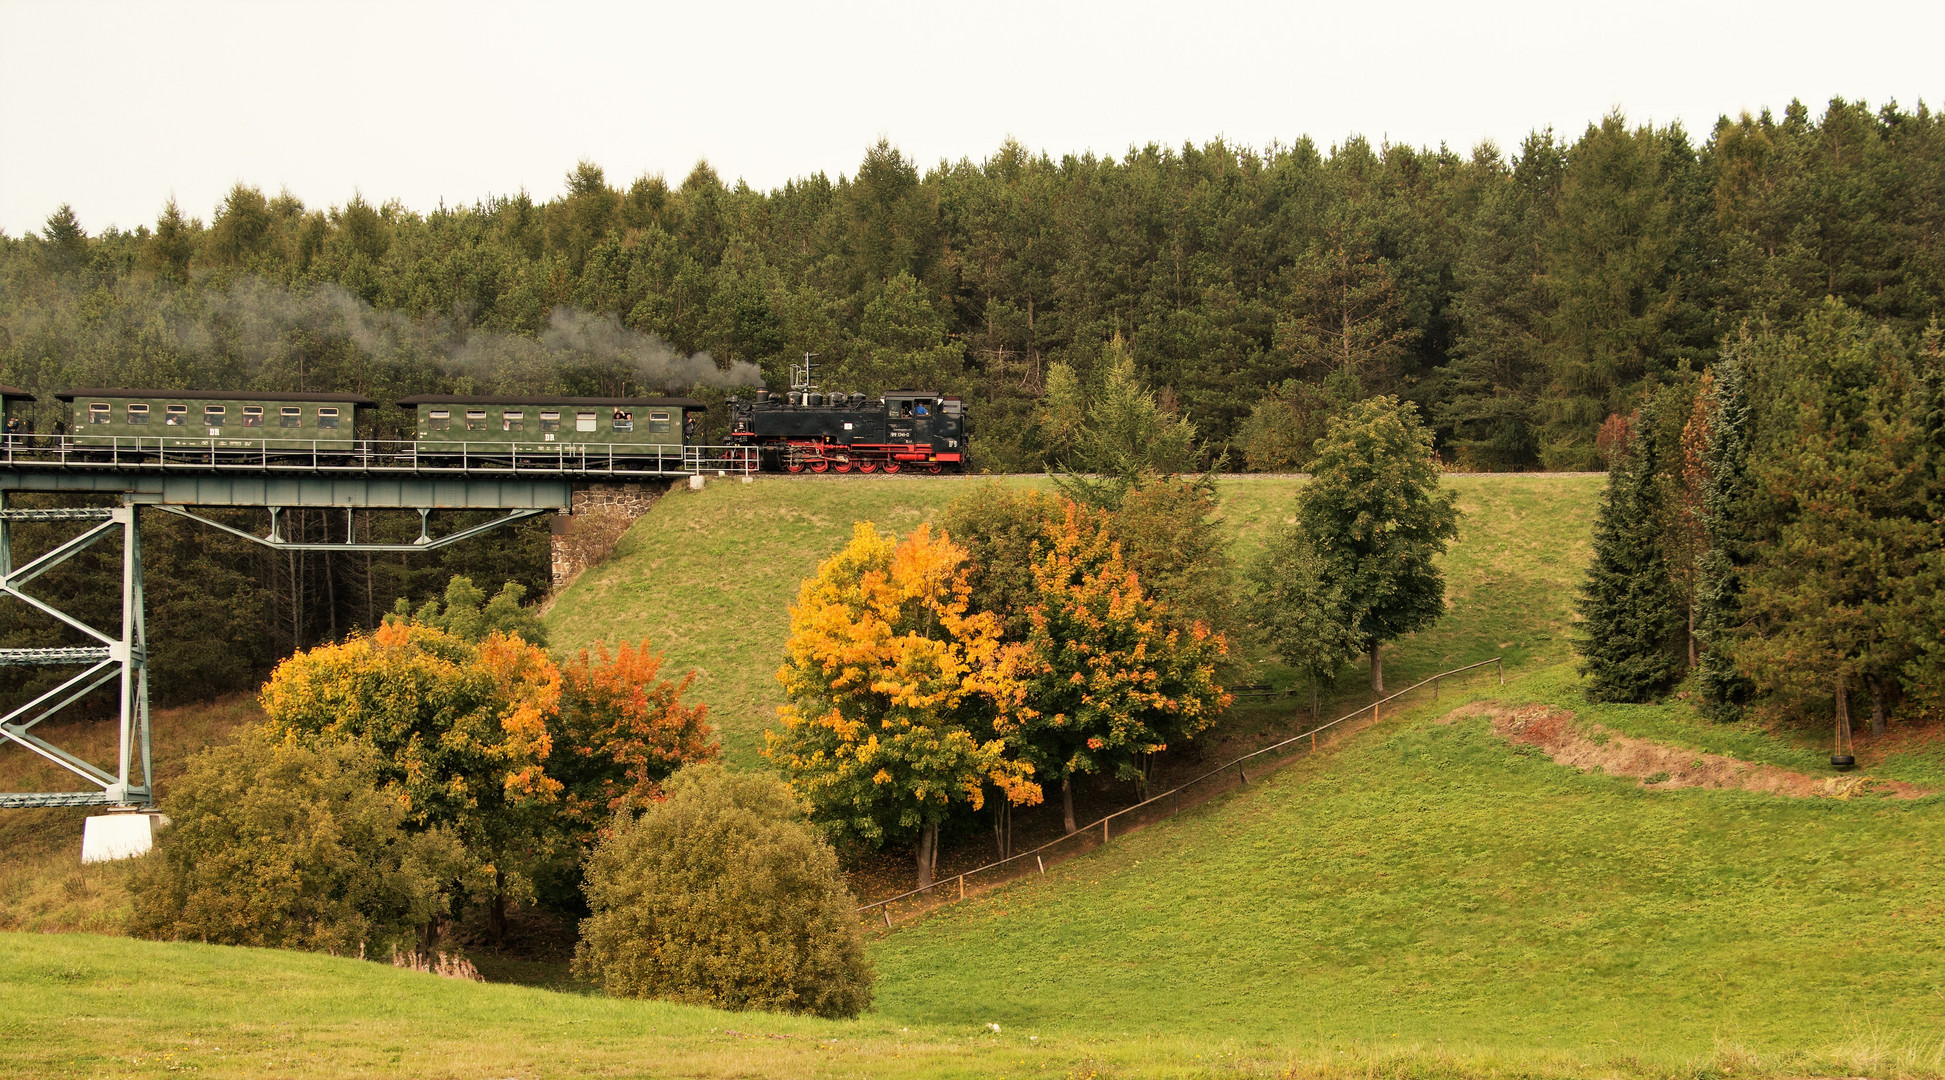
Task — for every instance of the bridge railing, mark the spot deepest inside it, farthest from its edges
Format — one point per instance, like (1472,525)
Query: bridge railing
(270,453)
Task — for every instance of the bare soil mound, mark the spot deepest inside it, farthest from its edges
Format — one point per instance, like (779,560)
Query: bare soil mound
(1552,730)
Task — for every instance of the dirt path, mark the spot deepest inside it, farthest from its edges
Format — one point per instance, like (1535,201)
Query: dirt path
(1552,729)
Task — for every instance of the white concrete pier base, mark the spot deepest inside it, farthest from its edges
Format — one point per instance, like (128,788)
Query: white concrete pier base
(119,836)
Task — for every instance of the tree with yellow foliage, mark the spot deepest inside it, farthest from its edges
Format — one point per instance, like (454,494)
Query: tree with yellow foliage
(460,730)
(1104,675)
(894,687)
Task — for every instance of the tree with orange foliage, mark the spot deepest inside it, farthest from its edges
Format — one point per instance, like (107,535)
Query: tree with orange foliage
(621,731)
(461,732)
(1103,678)
(894,688)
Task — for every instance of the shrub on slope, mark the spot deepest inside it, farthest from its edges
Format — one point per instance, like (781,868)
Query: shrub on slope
(279,844)
(722,895)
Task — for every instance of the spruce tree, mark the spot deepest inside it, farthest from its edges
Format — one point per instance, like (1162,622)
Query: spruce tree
(1835,599)
(1925,673)
(1633,618)
(1728,512)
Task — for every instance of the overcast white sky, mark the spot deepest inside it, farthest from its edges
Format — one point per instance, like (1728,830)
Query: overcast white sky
(114,107)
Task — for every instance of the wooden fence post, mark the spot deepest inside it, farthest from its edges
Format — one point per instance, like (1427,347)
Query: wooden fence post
(1043,864)
(962,886)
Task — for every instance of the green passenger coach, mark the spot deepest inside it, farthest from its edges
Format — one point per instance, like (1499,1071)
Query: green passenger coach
(445,423)
(211,419)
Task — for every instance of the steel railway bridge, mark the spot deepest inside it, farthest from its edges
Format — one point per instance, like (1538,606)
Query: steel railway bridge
(177,476)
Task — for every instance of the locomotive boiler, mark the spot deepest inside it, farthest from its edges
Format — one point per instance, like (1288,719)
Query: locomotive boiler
(809,431)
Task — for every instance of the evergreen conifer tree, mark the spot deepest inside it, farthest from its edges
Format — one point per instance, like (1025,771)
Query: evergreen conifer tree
(1836,597)
(1728,512)
(1633,614)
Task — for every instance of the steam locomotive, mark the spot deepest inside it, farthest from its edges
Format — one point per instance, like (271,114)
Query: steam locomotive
(808,431)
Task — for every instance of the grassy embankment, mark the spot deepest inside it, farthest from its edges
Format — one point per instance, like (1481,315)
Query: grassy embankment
(1423,899)
(709,576)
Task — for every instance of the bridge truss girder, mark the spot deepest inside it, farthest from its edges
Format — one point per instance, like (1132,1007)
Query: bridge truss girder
(119,658)
(124,658)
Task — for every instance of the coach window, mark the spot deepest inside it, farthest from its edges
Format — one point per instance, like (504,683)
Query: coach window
(138,414)
(175,415)
(513,420)
(658,423)
(290,416)
(101,413)
(327,418)
(550,421)
(253,416)
(624,420)
(439,420)
(584,421)
(213,416)
(475,419)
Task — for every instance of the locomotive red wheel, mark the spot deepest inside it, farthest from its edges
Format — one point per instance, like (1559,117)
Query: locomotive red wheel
(842,466)
(795,466)
(820,465)
(891,466)
(935,468)
(867,466)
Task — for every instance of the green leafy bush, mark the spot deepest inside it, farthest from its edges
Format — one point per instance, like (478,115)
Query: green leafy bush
(469,615)
(722,895)
(276,843)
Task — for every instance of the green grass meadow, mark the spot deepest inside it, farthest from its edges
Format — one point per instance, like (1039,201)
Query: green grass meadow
(1420,899)
(708,578)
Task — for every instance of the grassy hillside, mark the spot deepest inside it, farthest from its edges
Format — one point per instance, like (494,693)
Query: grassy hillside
(43,885)
(1425,901)
(1430,885)
(708,576)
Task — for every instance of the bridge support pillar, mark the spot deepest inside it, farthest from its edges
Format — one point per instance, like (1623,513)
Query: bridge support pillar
(600,514)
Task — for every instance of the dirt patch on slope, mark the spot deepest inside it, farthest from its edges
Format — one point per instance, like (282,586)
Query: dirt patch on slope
(1552,730)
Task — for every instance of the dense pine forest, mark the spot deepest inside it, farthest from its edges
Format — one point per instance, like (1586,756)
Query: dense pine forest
(1519,298)
(1548,308)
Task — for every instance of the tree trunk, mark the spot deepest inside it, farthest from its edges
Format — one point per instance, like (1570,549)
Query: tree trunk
(1843,717)
(1377,669)
(331,593)
(497,918)
(1067,801)
(1877,704)
(928,854)
(1693,658)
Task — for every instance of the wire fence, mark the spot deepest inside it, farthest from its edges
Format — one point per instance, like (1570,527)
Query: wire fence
(1228,776)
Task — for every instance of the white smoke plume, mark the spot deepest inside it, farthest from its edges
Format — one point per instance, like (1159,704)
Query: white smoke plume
(267,326)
